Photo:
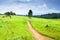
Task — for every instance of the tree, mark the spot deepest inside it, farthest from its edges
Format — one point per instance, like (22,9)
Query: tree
(12,13)
(30,13)
(8,14)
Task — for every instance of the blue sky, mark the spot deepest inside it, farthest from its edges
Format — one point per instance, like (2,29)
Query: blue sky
(22,6)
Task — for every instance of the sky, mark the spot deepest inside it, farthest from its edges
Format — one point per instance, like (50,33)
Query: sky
(23,6)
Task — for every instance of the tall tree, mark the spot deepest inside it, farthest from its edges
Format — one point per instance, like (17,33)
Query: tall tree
(30,13)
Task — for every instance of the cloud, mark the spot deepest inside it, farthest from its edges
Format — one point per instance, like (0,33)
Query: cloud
(24,8)
(10,2)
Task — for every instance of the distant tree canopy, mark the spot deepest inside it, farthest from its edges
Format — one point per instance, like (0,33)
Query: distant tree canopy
(9,13)
(12,13)
(49,16)
(30,13)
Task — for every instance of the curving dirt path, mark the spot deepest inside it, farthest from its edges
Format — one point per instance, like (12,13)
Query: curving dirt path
(35,34)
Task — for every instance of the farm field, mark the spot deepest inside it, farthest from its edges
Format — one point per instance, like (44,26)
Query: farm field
(14,28)
(52,30)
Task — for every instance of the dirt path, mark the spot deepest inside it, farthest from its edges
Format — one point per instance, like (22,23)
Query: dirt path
(36,35)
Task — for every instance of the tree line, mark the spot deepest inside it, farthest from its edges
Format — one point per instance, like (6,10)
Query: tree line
(30,12)
(49,16)
(12,13)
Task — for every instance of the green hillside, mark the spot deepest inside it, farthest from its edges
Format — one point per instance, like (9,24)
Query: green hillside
(14,28)
(52,30)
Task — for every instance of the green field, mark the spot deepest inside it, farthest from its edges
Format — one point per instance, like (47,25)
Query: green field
(53,29)
(14,28)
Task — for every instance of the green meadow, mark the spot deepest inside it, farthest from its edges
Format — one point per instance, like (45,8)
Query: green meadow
(52,30)
(14,28)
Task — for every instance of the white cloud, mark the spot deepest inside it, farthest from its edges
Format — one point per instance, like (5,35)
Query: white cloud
(23,9)
(43,9)
(42,6)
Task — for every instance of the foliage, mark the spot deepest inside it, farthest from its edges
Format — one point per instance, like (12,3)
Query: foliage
(49,16)
(9,13)
(12,13)
(30,13)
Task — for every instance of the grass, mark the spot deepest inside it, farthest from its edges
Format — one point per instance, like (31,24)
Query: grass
(53,29)
(14,28)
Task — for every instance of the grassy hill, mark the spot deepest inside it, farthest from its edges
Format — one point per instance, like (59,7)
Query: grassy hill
(52,30)
(14,28)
